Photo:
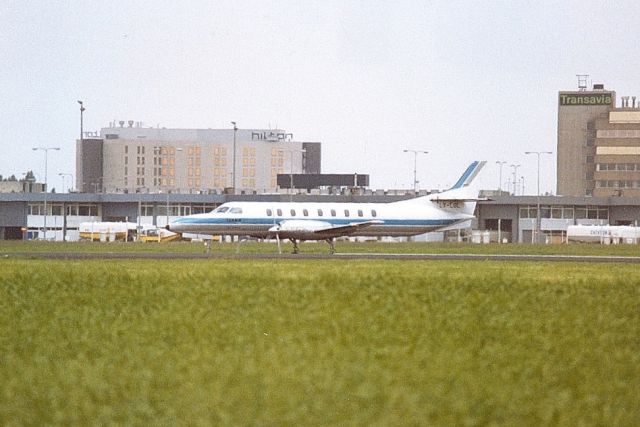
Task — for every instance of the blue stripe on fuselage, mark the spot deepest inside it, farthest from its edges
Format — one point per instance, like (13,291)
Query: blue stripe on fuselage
(334,222)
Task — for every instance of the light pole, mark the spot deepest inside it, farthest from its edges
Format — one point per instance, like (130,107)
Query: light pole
(81,111)
(500,163)
(81,131)
(167,221)
(178,150)
(235,131)
(46,160)
(415,166)
(538,217)
(515,179)
(63,175)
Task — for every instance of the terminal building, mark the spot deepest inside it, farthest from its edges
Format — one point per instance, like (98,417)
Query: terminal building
(506,218)
(133,158)
(151,175)
(598,144)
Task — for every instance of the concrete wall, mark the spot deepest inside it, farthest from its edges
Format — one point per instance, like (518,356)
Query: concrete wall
(503,212)
(13,214)
(89,160)
(312,158)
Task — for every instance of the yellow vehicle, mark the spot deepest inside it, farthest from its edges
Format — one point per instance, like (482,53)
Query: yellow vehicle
(157,235)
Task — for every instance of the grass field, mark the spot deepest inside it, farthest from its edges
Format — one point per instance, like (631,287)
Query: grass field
(236,342)
(322,248)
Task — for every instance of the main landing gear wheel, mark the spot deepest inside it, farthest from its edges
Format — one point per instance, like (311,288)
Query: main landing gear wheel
(332,248)
(296,249)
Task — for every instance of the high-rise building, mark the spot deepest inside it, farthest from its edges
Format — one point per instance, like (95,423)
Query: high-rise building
(617,152)
(139,159)
(577,112)
(598,144)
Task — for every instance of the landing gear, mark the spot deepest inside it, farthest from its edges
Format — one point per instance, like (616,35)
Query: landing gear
(296,249)
(332,248)
(279,247)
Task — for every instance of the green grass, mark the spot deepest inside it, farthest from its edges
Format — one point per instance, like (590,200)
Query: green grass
(7,247)
(233,342)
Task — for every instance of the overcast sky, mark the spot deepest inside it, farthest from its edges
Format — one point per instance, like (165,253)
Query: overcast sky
(463,80)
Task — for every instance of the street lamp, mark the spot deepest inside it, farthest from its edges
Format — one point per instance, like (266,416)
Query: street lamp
(46,157)
(81,111)
(63,175)
(235,131)
(81,131)
(515,179)
(415,164)
(178,150)
(500,163)
(538,217)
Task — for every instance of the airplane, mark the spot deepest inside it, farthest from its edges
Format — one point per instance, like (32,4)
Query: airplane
(298,221)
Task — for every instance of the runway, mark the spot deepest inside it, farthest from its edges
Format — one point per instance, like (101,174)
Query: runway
(319,257)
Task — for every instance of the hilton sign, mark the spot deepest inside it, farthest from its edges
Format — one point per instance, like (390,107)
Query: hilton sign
(604,98)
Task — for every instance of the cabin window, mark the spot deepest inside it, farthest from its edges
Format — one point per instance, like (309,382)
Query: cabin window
(320,213)
(374,213)
(333,212)
(235,210)
(222,209)
(293,212)
(269,212)
(346,212)
(279,211)
(305,212)
(360,212)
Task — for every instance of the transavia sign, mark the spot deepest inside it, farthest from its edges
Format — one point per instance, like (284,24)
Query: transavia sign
(604,98)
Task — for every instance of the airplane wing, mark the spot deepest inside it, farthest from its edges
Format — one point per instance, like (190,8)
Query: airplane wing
(345,230)
(318,230)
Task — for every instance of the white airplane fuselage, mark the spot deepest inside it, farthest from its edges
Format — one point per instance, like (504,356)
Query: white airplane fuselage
(326,221)
(257,219)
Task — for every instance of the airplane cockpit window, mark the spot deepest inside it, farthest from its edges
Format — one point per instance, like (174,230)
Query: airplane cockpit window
(235,210)
(221,209)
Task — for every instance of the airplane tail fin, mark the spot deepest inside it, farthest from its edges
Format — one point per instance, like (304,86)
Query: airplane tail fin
(469,174)
(460,198)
